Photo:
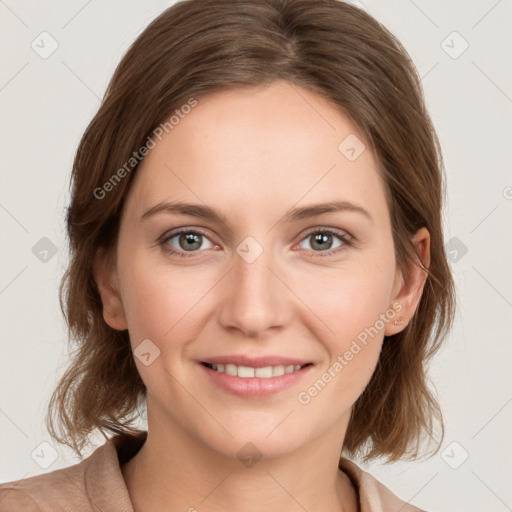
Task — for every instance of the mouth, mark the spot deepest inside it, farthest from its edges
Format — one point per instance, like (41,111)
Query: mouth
(247,372)
(254,382)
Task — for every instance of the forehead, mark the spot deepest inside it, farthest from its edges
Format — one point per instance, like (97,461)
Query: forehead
(277,145)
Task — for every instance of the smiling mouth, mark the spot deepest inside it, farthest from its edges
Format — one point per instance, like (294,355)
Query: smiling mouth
(266,372)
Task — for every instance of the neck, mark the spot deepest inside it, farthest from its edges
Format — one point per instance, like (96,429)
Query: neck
(175,471)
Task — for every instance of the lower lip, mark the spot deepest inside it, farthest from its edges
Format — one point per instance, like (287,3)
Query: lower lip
(255,387)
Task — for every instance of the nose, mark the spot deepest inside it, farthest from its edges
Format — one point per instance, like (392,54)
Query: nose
(256,300)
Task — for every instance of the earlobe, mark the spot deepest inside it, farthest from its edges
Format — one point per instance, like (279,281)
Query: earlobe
(408,290)
(107,282)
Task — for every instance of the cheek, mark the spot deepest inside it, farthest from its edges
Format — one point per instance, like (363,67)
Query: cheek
(348,316)
(162,305)
(161,302)
(155,304)
(347,300)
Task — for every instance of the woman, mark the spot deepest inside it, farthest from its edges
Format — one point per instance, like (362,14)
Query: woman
(257,258)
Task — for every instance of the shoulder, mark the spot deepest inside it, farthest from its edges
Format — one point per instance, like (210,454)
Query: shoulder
(56,490)
(374,496)
(94,483)
(15,499)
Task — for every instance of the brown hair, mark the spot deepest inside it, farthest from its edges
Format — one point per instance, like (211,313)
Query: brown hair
(197,47)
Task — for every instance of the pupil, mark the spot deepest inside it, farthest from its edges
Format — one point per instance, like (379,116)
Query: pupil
(321,238)
(191,237)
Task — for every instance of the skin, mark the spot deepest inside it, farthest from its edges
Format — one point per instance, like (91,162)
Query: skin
(253,154)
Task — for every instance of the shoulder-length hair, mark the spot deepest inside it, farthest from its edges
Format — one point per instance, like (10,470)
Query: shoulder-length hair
(197,47)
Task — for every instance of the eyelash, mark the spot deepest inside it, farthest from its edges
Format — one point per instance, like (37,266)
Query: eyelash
(163,242)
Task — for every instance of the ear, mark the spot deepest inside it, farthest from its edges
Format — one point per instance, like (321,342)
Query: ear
(408,292)
(106,279)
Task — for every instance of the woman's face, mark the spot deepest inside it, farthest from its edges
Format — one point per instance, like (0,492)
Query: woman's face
(261,282)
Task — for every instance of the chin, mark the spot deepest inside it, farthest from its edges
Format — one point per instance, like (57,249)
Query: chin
(253,444)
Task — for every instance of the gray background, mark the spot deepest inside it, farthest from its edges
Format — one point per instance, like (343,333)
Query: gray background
(46,103)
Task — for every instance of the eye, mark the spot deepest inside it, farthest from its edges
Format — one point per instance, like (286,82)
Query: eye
(191,240)
(322,240)
(188,240)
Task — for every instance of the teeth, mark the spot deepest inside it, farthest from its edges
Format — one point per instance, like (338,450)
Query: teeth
(247,372)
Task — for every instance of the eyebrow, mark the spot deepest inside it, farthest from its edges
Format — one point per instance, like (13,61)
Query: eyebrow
(293,215)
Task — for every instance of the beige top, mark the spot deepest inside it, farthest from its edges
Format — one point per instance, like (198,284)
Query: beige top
(97,484)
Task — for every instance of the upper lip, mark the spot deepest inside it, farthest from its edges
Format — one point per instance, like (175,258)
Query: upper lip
(255,362)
